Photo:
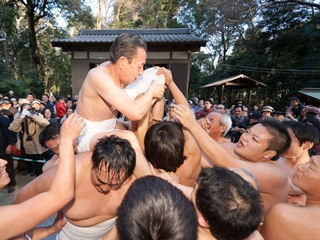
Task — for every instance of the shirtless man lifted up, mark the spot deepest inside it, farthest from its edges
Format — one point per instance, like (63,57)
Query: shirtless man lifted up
(102,96)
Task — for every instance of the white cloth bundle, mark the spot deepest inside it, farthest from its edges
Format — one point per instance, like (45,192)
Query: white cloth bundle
(144,81)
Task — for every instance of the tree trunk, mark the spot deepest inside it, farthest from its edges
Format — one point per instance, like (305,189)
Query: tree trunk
(36,58)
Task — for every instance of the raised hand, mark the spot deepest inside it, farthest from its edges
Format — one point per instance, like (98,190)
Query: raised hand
(185,115)
(72,127)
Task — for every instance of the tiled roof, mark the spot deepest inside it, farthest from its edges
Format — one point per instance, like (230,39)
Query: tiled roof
(237,81)
(311,92)
(170,39)
(170,35)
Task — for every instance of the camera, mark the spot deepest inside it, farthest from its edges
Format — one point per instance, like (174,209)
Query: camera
(32,111)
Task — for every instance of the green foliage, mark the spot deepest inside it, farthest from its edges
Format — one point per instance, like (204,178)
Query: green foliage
(7,18)
(271,41)
(145,14)
(28,57)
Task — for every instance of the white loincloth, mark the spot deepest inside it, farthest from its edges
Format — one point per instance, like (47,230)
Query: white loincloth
(91,129)
(96,232)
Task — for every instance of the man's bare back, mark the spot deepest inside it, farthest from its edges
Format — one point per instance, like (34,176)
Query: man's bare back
(90,102)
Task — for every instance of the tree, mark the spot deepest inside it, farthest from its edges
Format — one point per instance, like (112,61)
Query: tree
(145,14)
(41,14)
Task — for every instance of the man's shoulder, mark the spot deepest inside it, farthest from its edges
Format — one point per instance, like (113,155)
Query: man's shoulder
(83,158)
(228,145)
(276,168)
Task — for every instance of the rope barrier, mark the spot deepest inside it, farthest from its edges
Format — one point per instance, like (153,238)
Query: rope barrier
(28,160)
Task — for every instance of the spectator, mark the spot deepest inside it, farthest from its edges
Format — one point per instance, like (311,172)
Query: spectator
(49,103)
(12,95)
(279,115)
(30,97)
(6,104)
(30,124)
(68,113)
(169,116)
(309,112)
(14,103)
(47,114)
(207,109)
(36,105)
(60,108)
(254,118)
(266,112)
(289,114)
(7,140)
(295,106)
(220,107)
(256,107)
(69,103)
(43,105)
(239,122)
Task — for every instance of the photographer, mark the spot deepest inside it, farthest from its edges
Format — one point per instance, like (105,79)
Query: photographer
(30,124)
(307,112)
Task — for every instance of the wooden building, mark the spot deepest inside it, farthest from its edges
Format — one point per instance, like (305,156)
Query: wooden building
(308,96)
(233,83)
(168,48)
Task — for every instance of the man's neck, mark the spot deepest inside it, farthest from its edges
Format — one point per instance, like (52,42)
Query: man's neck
(205,234)
(293,162)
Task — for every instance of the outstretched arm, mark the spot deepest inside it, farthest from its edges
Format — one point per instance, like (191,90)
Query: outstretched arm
(61,192)
(217,154)
(43,232)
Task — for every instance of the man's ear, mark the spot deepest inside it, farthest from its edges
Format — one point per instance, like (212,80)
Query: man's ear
(121,61)
(269,154)
(222,129)
(307,145)
(202,222)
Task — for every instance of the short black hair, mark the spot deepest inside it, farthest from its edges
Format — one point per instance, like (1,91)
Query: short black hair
(231,205)
(208,100)
(68,99)
(154,209)
(281,139)
(50,132)
(294,99)
(304,132)
(6,112)
(116,156)
(164,145)
(238,106)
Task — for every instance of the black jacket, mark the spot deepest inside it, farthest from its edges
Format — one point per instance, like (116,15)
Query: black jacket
(7,137)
